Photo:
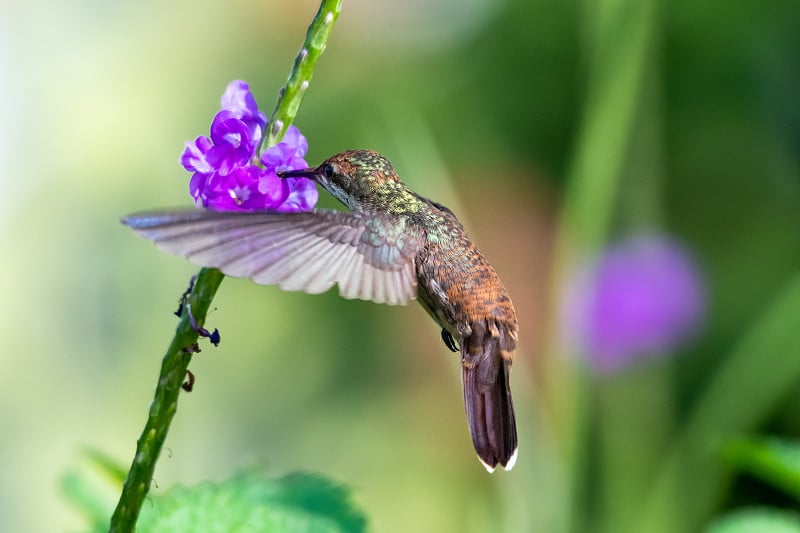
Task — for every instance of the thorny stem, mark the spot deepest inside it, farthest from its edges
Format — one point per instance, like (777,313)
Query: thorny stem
(165,401)
(176,361)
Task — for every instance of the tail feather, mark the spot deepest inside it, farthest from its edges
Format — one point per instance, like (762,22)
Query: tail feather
(487,400)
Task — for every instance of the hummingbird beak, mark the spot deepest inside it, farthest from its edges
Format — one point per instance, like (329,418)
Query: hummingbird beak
(310,173)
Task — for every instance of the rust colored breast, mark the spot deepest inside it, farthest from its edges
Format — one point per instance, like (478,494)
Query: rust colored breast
(459,287)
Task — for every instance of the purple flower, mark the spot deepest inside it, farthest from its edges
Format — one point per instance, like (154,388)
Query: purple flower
(226,171)
(642,298)
(287,154)
(240,102)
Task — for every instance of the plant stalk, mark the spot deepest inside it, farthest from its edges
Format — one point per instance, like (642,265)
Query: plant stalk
(175,363)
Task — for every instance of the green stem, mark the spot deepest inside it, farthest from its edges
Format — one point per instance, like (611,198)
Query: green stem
(620,36)
(299,79)
(165,401)
(179,354)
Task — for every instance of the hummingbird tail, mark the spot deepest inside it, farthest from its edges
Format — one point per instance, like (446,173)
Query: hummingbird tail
(487,397)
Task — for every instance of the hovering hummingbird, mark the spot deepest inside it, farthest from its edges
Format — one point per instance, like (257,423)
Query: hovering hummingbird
(392,246)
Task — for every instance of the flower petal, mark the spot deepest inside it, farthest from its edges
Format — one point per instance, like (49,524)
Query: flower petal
(193,157)
(233,144)
(239,101)
(303,195)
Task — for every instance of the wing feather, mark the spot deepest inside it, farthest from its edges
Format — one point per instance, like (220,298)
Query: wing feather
(305,266)
(308,252)
(367,280)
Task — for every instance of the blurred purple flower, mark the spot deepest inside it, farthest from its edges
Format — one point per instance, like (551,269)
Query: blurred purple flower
(642,298)
(226,175)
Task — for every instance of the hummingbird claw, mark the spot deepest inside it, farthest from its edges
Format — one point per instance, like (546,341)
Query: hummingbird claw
(449,341)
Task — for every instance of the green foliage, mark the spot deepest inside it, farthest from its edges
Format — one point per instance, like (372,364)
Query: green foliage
(756,520)
(248,502)
(775,460)
(82,491)
(763,362)
(84,498)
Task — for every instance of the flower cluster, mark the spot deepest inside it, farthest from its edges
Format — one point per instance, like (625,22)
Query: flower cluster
(227,175)
(642,298)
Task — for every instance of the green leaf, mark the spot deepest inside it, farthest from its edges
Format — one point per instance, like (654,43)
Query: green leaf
(772,459)
(107,465)
(85,487)
(758,373)
(756,520)
(250,502)
(84,497)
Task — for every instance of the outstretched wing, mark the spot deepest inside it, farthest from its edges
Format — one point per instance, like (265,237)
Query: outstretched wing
(297,251)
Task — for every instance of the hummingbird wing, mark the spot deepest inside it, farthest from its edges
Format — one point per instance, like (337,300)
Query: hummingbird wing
(309,252)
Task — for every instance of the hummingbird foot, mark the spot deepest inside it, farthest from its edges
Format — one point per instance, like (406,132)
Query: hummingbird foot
(449,341)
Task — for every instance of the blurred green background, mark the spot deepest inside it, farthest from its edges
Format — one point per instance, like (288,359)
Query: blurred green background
(689,112)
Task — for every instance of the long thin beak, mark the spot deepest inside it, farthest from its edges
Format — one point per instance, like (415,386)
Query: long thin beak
(304,173)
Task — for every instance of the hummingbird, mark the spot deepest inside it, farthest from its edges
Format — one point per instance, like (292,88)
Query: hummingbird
(391,246)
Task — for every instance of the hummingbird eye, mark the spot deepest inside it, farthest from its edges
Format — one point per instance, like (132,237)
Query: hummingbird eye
(328,171)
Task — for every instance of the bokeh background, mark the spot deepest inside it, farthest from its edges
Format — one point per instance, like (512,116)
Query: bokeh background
(552,128)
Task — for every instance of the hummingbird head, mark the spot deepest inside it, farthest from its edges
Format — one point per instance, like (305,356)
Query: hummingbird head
(356,178)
